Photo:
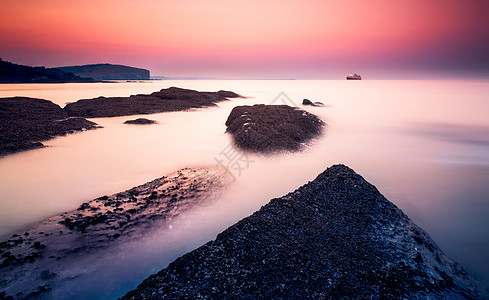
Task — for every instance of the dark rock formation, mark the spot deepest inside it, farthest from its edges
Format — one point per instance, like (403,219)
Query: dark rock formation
(354,76)
(309,102)
(25,122)
(14,73)
(335,237)
(170,99)
(40,255)
(140,121)
(269,128)
(108,72)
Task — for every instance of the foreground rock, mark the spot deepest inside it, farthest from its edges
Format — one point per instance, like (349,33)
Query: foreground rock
(270,128)
(36,259)
(171,99)
(25,122)
(335,237)
(140,121)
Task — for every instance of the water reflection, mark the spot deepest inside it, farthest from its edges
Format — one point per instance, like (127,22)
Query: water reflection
(455,133)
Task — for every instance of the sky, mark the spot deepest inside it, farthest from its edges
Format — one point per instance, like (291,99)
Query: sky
(245,39)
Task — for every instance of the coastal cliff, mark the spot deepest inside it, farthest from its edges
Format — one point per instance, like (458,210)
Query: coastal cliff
(165,100)
(108,72)
(335,237)
(15,73)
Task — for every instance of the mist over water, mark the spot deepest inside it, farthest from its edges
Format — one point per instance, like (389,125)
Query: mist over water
(423,144)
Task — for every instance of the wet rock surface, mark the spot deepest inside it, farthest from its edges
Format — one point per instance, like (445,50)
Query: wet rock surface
(33,261)
(170,99)
(271,128)
(26,122)
(140,121)
(335,237)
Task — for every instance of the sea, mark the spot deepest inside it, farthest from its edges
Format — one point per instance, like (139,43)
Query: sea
(423,143)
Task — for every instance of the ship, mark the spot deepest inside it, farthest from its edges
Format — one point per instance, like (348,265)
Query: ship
(354,76)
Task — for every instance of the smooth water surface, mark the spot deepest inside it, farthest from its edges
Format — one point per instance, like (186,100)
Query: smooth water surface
(424,144)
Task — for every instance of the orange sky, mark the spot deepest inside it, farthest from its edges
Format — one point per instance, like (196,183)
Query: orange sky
(244,39)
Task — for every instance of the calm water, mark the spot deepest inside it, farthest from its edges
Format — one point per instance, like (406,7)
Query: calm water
(424,144)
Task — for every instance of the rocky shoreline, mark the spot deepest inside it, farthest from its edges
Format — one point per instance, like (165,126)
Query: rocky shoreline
(335,237)
(31,260)
(26,122)
(272,128)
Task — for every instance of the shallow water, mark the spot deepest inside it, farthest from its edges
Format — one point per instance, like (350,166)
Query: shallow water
(424,144)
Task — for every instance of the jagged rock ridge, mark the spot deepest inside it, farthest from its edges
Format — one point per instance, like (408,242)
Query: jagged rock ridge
(335,237)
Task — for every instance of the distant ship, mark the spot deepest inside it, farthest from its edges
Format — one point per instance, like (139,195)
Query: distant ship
(354,76)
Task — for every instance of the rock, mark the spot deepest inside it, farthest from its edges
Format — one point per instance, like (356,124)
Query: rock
(309,102)
(271,128)
(170,99)
(140,121)
(25,122)
(25,108)
(51,247)
(335,237)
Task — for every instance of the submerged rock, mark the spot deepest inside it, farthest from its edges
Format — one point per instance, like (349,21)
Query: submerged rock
(140,121)
(41,254)
(335,237)
(270,128)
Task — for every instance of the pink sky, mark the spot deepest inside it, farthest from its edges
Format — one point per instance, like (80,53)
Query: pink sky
(252,39)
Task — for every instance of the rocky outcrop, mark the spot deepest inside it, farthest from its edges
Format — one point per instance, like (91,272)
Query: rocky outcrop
(108,72)
(271,128)
(14,73)
(335,237)
(140,121)
(25,122)
(310,103)
(34,260)
(170,99)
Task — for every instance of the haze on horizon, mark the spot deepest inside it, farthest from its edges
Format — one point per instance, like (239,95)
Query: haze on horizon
(310,39)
